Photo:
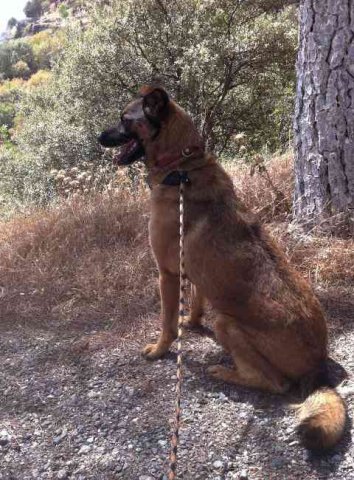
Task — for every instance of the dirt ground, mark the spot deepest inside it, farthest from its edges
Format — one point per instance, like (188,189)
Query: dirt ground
(80,402)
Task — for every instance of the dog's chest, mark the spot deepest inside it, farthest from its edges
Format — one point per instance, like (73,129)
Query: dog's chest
(164,231)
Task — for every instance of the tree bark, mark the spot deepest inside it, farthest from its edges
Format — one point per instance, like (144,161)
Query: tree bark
(324,116)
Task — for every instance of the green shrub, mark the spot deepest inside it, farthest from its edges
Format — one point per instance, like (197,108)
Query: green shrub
(22,181)
(10,94)
(7,114)
(46,46)
(63,11)
(13,52)
(21,70)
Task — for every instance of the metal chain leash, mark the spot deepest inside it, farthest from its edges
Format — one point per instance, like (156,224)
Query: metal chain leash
(172,475)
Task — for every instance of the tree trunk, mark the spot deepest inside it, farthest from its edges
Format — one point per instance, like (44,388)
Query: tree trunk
(324,116)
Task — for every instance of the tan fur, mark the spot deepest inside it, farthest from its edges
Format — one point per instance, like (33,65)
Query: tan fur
(268,317)
(322,419)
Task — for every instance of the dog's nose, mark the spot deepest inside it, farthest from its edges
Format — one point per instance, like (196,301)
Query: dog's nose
(101,138)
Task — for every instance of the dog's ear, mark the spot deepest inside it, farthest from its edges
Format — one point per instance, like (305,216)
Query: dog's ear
(155,102)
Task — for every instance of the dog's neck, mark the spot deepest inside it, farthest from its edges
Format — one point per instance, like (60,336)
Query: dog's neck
(170,162)
(177,147)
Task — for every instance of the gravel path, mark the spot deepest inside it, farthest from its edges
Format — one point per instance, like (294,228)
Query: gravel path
(87,406)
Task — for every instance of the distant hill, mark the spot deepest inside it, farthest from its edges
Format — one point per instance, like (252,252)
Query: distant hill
(28,51)
(41,15)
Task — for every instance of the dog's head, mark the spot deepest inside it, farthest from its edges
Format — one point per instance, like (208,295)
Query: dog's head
(139,125)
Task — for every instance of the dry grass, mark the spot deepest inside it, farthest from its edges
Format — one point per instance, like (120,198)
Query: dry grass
(326,261)
(268,193)
(88,260)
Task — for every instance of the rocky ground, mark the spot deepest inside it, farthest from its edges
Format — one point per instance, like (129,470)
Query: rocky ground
(83,404)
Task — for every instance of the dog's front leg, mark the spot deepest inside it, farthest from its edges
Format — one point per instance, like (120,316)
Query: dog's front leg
(169,291)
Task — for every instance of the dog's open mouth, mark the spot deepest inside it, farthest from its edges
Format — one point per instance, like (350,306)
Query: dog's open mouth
(129,153)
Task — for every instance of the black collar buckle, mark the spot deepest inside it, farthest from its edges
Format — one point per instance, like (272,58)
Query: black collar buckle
(176,177)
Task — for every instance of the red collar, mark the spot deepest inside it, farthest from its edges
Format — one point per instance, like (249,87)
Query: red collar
(171,160)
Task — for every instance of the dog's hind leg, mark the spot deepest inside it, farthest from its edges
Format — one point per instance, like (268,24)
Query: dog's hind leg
(251,368)
(169,291)
(197,309)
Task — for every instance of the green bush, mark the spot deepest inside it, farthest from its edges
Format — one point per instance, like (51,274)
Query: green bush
(22,181)
(7,114)
(46,47)
(13,52)
(63,11)
(21,70)
(10,94)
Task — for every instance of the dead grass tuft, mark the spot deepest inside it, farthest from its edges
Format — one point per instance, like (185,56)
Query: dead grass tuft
(268,191)
(326,261)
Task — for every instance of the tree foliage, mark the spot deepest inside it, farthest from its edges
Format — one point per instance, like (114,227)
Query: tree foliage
(33,9)
(227,62)
(12,22)
(230,64)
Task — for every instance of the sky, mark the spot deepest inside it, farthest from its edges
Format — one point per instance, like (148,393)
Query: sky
(11,8)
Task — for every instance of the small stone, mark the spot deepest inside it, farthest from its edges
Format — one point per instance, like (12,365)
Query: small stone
(46,466)
(90,440)
(130,391)
(223,397)
(93,394)
(145,477)
(278,462)
(243,475)
(84,449)
(346,390)
(218,464)
(59,438)
(5,437)
(62,474)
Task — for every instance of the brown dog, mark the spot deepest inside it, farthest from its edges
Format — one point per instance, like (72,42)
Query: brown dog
(268,318)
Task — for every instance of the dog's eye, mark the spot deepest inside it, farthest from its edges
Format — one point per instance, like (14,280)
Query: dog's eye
(125,121)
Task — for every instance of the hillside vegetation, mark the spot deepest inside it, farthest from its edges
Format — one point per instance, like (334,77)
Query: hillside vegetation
(231,65)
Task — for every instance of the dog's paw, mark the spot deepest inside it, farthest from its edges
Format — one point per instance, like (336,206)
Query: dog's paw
(219,372)
(153,351)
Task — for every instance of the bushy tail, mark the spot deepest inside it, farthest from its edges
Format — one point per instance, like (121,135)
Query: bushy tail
(322,419)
